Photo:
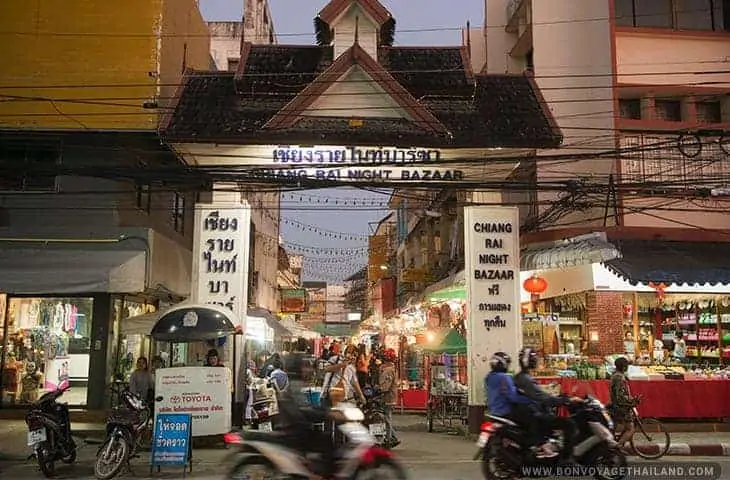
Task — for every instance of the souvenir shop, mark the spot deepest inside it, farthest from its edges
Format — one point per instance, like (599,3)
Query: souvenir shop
(644,321)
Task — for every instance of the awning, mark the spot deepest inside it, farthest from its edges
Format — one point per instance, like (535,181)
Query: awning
(270,319)
(672,263)
(572,252)
(194,322)
(335,329)
(298,331)
(142,324)
(71,271)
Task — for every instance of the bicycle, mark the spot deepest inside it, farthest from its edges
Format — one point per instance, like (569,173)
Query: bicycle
(641,430)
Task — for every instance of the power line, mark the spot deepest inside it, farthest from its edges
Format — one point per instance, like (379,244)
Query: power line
(41,33)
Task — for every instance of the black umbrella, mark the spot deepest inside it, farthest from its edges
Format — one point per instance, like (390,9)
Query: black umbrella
(194,322)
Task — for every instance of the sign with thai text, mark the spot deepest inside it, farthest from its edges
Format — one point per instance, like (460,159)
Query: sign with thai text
(385,174)
(353,155)
(171,439)
(220,263)
(492,259)
(202,392)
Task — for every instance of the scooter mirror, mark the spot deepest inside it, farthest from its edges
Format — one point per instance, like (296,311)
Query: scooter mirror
(158,398)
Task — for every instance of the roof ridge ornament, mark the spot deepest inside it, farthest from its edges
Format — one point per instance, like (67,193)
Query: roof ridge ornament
(357,30)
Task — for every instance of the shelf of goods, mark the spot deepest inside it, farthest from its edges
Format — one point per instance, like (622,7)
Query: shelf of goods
(669,392)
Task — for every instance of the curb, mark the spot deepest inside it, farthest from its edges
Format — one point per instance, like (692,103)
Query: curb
(687,450)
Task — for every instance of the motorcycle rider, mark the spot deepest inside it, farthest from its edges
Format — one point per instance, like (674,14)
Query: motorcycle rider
(388,378)
(504,401)
(279,376)
(541,410)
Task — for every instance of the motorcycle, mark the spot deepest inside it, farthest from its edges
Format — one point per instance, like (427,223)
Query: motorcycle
(276,455)
(49,432)
(374,411)
(124,431)
(265,404)
(502,446)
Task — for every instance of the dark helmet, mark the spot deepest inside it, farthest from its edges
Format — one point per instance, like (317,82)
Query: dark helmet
(621,364)
(500,362)
(389,355)
(528,359)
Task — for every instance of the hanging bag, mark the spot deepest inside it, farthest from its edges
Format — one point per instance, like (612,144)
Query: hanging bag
(335,391)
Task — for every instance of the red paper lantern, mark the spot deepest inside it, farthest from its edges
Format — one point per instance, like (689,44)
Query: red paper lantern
(535,285)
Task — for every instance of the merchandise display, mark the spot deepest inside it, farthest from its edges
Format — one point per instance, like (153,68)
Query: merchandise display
(47,347)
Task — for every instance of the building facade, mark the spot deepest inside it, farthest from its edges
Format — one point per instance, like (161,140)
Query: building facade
(646,82)
(227,38)
(89,239)
(226,41)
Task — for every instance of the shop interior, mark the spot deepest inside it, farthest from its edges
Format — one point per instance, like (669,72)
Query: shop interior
(47,347)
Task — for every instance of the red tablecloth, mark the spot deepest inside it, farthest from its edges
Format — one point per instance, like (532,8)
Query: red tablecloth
(414,399)
(665,398)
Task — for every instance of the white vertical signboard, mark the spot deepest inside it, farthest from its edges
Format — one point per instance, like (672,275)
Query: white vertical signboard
(492,271)
(220,263)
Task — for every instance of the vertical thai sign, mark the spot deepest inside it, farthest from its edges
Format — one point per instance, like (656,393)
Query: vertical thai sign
(492,259)
(220,265)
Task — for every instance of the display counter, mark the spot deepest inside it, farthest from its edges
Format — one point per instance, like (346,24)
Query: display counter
(670,399)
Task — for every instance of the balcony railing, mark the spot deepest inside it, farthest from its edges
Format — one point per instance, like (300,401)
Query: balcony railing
(657,159)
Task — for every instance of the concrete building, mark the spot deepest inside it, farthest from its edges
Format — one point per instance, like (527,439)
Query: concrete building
(226,38)
(629,75)
(99,245)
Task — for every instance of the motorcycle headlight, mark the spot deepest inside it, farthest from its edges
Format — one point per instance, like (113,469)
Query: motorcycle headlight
(353,414)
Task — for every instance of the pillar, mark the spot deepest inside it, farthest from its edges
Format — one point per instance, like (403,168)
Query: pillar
(604,317)
(101,347)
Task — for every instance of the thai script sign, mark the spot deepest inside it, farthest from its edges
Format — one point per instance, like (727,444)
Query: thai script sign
(492,244)
(354,155)
(171,440)
(202,392)
(220,262)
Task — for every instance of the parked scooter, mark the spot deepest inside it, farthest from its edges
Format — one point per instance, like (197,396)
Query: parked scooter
(265,404)
(49,432)
(505,453)
(124,431)
(280,455)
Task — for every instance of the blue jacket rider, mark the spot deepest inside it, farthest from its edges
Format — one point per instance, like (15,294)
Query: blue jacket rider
(501,391)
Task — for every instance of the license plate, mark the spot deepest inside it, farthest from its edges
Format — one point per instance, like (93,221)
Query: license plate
(265,427)
(36,436)
(377,429)
(483,439)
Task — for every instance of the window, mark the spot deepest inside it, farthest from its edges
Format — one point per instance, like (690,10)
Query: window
(34,168)
(630,108)
(694,14)
(233,64)
(668,110)
(654,13)
(706,15)
(178,212)
(624,11)
(709,112)
(143,196)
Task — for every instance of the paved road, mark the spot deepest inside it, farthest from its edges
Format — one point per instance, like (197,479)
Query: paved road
(426,456)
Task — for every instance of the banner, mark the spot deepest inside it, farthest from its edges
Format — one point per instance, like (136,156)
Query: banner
(220,267)
(293,300)
(492,271)
(203,392)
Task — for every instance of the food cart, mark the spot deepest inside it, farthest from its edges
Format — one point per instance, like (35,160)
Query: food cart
(447,390)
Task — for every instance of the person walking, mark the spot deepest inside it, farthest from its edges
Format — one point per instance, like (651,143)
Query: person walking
(388,378)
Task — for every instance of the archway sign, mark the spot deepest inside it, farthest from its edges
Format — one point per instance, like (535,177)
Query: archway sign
(492,271)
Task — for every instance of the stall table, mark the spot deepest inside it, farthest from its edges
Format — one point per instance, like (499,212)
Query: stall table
(413,399)
(671,399)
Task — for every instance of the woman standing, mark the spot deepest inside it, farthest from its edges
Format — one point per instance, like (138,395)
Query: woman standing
(363,365)
(141,382)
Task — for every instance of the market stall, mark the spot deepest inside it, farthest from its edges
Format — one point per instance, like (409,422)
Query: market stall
(447,390)
(670,391)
